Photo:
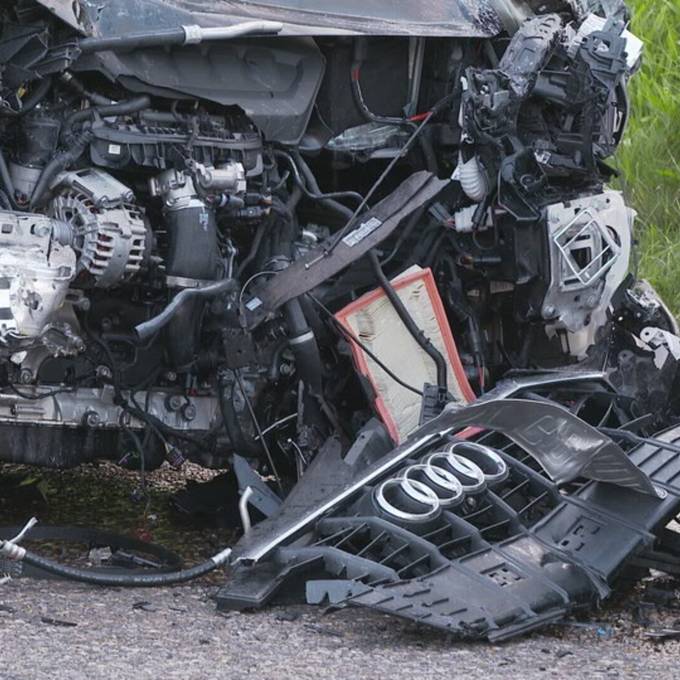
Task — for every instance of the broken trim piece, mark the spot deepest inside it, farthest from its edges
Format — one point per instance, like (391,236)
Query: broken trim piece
(574,449)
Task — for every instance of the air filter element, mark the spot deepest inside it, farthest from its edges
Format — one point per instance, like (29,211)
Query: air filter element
(375,322)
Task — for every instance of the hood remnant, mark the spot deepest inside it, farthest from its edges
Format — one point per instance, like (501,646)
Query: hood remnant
(363,255)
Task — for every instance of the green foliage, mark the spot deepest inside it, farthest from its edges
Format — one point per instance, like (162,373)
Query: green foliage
(649,157)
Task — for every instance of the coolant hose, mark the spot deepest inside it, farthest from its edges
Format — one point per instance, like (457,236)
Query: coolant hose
(124,108)
(60,162)
(148,328)
(304,347)
(182,35)
(12,551)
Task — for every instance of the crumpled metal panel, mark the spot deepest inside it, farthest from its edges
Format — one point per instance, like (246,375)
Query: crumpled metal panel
(459,18)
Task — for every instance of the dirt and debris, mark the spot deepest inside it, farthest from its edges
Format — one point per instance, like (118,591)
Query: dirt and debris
(105,496)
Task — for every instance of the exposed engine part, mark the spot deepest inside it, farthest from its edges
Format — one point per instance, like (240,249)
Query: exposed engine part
(229,179)
(97,408)
(219,217)
(37,144)
(109,231)
(155,141)
(36,268)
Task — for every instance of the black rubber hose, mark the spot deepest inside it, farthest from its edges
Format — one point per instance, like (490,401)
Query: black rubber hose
(71,81)
(60,162)
(304,347)
(148,328)
(360,54)
(6,178)
(313,183)
(120,43)
(124,108)
(407,320)
(127,580)
(255,246)
(315,194)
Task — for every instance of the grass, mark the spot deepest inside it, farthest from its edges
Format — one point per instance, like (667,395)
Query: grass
(649,156)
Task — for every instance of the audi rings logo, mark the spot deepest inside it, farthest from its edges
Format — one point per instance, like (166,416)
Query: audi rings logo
(441,480)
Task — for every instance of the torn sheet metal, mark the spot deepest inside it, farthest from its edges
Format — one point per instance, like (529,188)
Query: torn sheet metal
(314,17)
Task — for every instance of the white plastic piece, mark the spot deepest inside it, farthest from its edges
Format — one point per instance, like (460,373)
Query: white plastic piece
(662,343)
(193,34)
(593,23)
(463,222)
(591,242)
(244,28)
(473,180)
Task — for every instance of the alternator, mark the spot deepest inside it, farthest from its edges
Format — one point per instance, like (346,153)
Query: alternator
(110,234)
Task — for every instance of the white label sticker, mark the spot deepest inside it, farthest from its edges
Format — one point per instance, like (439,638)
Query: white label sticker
(253,304)
(361,232)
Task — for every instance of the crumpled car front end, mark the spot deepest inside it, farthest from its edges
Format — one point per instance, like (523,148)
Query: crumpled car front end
(370,259)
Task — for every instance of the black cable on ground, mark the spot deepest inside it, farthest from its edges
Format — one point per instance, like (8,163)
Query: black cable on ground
(124,580)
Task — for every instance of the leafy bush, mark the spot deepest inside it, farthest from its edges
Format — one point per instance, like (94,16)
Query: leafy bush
(649,157)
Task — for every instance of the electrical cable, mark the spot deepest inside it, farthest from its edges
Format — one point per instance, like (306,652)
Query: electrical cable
(353,338)
(386,172)
(406,318)
(260,436)
(315,195)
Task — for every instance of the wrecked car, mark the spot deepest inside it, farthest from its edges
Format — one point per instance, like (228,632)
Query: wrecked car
(368,257)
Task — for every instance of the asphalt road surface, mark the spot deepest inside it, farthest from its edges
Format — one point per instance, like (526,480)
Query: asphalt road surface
(63,631)
(51,630)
